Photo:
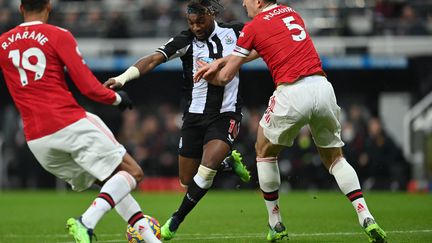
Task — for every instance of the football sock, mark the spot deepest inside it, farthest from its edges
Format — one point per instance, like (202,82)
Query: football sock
(199,186)
(348,182)
(113,191)
(225,165)
(269,181)
(130,211)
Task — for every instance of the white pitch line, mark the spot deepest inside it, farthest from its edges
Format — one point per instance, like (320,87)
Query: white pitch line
(215,236)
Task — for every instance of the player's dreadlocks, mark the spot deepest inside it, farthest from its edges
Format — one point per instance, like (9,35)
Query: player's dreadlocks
(212,7)
(34,5)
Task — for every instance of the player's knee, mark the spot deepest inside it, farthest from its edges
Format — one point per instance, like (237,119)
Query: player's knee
(138,174)
(264,150)
(184,181)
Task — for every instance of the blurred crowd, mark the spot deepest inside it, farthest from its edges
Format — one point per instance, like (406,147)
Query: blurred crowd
(151,134)
(164,18)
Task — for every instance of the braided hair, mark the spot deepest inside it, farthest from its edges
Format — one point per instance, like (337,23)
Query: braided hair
(200,7)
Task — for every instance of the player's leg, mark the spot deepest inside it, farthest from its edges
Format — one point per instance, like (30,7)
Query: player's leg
(214,152)
(325,129)
(349,184)
(269,181)
(129,209)
(115,188)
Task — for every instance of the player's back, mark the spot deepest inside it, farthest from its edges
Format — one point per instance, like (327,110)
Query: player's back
(284,44)
(34,74)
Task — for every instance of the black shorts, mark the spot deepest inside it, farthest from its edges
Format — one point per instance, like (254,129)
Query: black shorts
(198,129)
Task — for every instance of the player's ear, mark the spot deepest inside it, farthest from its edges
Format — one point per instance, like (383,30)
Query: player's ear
(49,7)
(21,9)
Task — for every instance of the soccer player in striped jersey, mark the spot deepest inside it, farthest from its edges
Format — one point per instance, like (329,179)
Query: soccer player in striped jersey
(72,144)
(212,117)
(303,96)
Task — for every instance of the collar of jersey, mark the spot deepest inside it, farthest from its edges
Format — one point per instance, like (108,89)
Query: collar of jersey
(31,23)
(270,7)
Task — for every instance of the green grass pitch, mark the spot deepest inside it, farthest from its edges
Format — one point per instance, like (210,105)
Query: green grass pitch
(222,216)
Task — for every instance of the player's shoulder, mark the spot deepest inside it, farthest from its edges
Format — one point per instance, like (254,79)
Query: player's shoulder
(56,29)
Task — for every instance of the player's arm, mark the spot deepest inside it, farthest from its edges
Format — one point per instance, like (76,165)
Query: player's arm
(67,50)
(141,67)
(227,73)
(210,69)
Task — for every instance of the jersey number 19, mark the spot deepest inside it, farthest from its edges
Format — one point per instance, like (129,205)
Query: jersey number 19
(23,64)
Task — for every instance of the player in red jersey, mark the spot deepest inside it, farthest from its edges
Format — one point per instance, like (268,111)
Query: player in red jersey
(69,142)
(303,96)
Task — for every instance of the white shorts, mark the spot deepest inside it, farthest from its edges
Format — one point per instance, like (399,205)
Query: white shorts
(80,153)
(310,100)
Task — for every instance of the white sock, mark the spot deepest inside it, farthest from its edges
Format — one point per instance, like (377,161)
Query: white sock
(129,209)
(269,181)
(113,191)
(348,182)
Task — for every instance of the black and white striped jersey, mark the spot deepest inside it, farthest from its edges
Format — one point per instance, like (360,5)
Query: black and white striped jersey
(202,97)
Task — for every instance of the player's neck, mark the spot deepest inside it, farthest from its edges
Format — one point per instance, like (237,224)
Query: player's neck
(42,17)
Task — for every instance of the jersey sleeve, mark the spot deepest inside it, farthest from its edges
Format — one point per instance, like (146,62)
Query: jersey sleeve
(177,46)
(245,41)
(83,78)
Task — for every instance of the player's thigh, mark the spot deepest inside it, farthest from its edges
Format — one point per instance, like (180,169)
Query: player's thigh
(188,167)
(192,137)
(324,123)
(60,163)
(214,152)
(285,115)
(223,127)
(264,148)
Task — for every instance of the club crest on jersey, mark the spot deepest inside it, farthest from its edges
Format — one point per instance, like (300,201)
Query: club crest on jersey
(229,40)
(199,44)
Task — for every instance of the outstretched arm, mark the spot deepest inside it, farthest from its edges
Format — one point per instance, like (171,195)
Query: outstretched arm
(208,71)
(142,66)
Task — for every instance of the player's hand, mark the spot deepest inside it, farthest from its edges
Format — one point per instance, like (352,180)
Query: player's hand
(113,84)
(126,102)
(205,70)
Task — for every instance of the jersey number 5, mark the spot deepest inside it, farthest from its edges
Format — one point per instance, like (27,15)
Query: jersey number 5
(23,64)
(291,26)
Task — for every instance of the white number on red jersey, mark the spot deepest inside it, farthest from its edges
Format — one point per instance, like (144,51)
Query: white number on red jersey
(23,64)
(291,26)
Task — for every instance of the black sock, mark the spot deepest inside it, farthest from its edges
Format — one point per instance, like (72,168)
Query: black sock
(192,197)
(226,164)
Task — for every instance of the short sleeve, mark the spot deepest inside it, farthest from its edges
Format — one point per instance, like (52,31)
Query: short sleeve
(245,42)
(176,46)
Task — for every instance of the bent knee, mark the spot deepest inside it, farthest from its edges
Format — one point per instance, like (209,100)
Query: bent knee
(138,174)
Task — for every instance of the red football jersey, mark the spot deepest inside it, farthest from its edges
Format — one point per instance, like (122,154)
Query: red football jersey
(33,57)
(279,35)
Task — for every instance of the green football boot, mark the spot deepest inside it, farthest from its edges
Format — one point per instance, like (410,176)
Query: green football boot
(277,233)
(166,233)
(238,167)
(374,232)
(80,233)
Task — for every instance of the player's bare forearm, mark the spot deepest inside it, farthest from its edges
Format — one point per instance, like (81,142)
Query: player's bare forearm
(142,66)
(227,73)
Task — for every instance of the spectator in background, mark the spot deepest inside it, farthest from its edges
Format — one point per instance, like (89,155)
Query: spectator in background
(117,26)
(382,160)
(6,21)
(409,22)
